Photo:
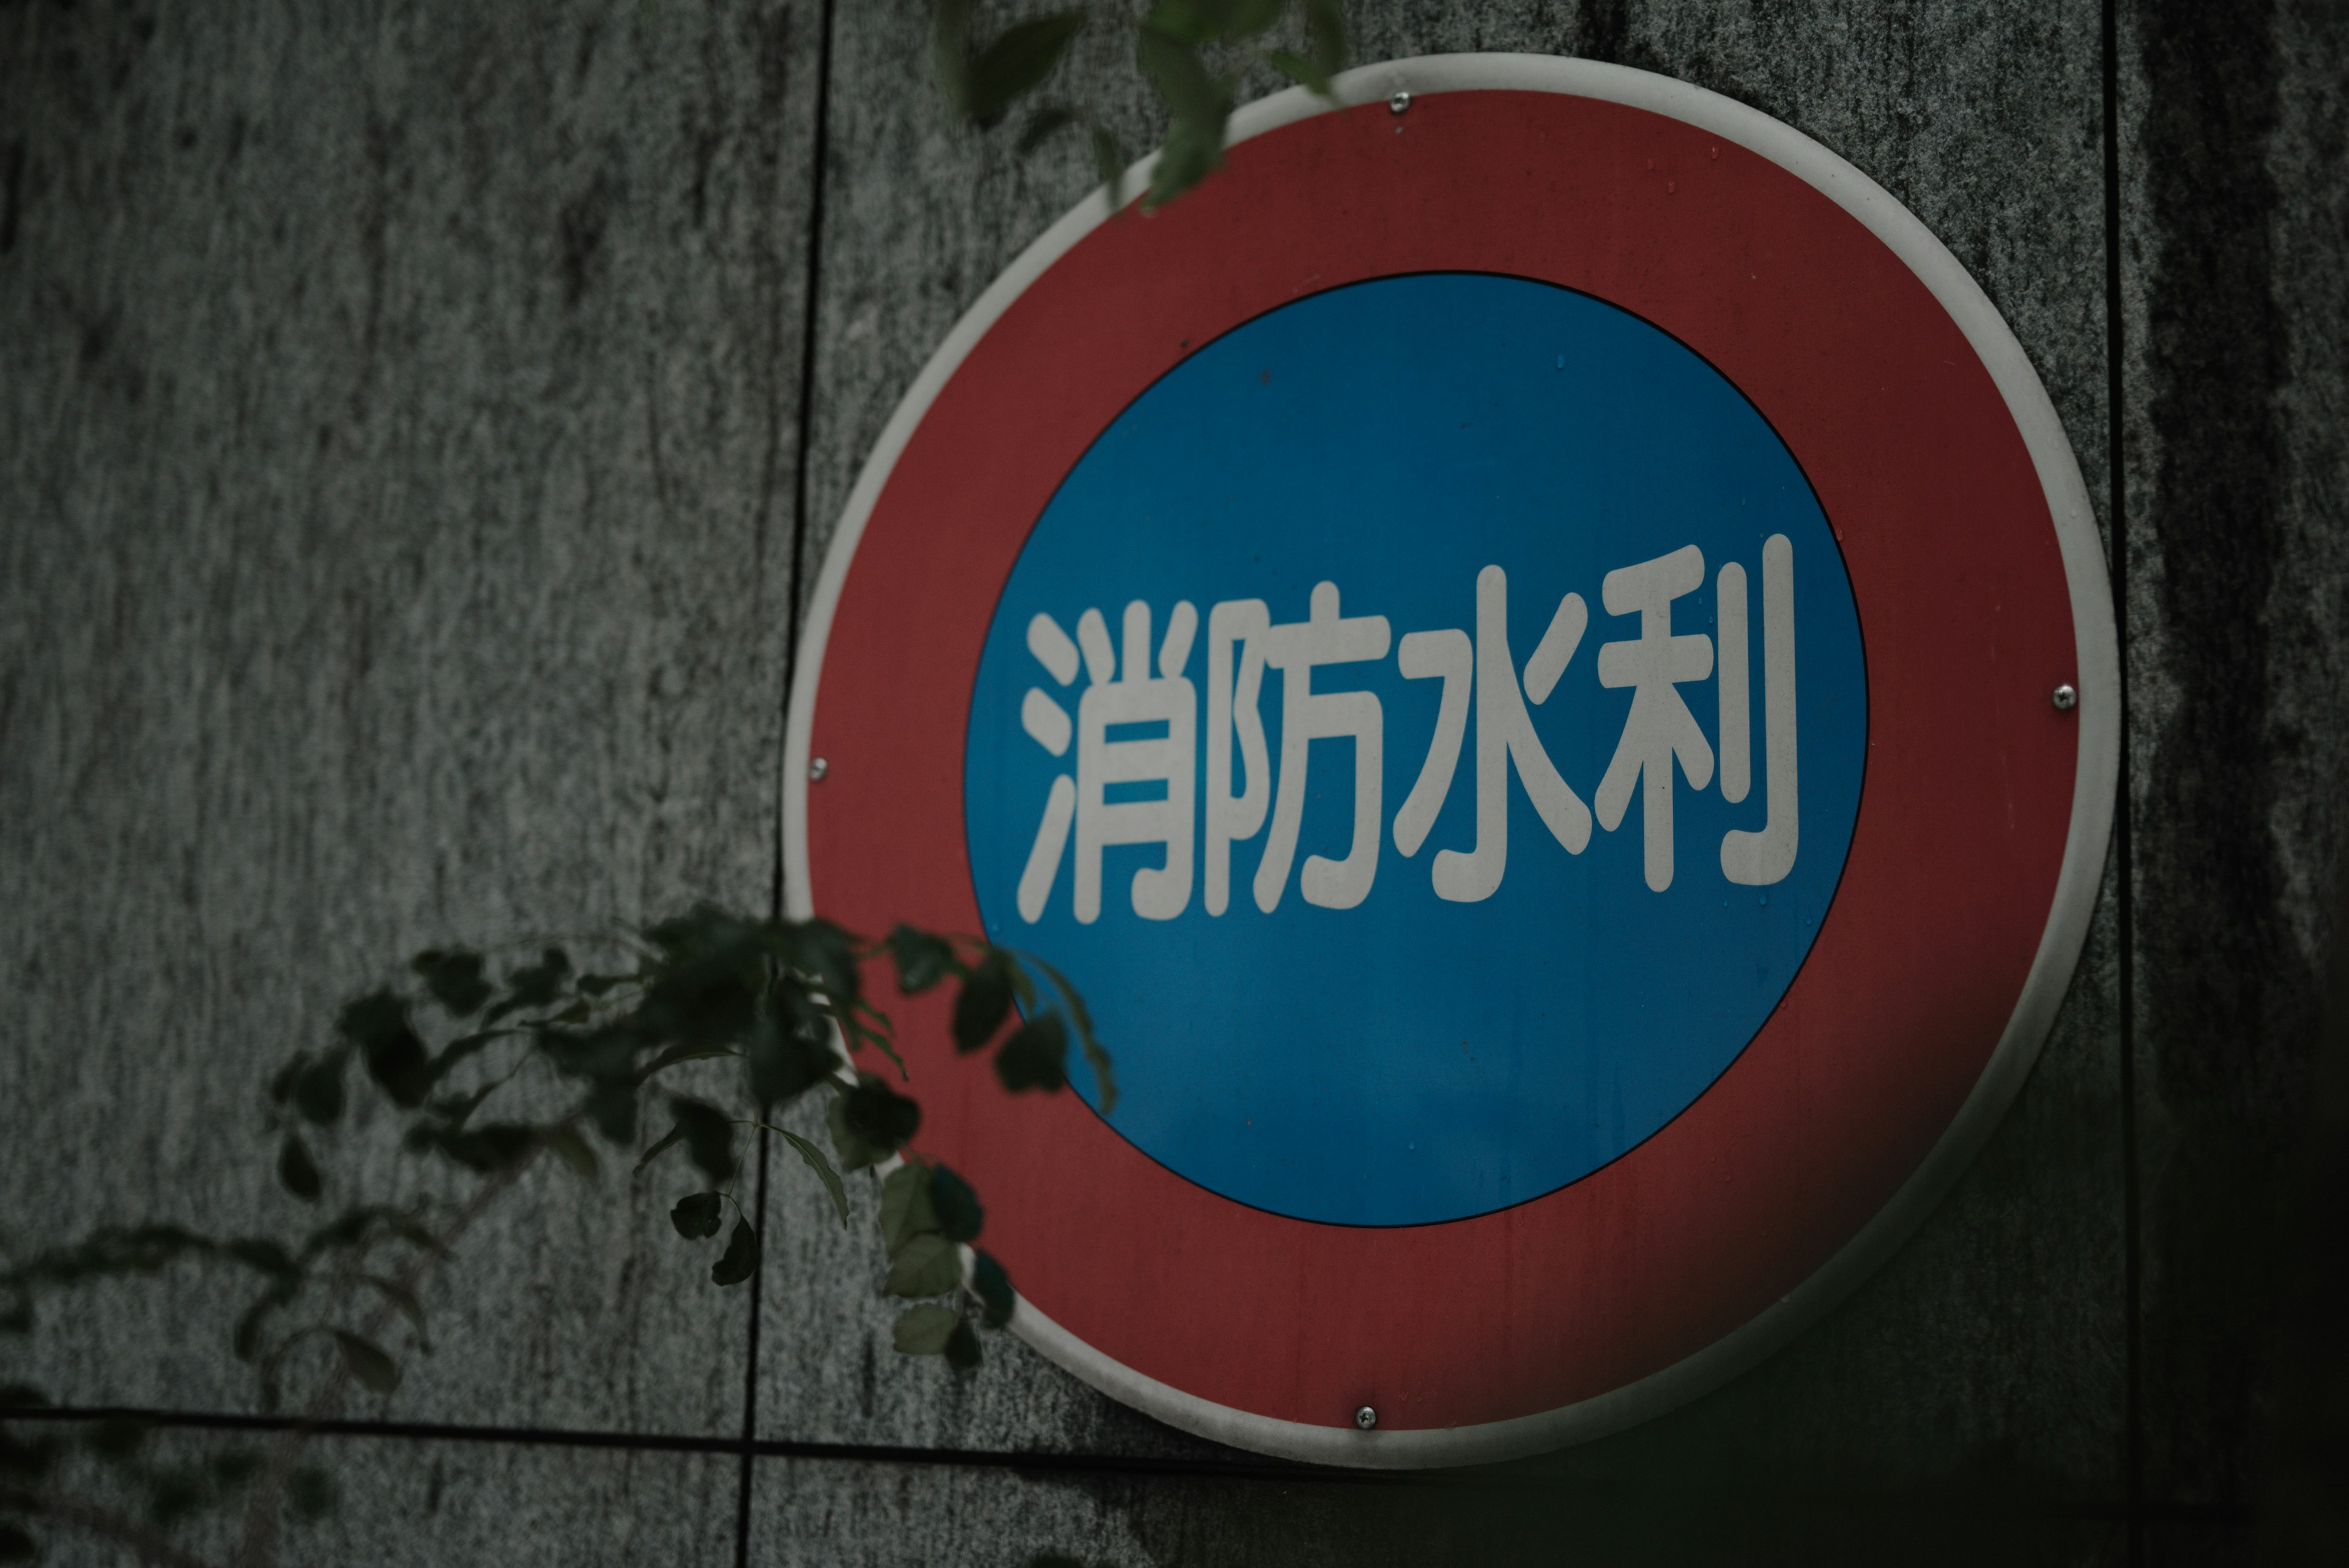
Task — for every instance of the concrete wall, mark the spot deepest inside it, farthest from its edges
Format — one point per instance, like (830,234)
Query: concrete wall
(419,425)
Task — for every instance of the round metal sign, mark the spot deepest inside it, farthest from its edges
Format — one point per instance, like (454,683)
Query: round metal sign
(1536,651)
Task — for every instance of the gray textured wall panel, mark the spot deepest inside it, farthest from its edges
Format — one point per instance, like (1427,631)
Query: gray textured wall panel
(404,1502)
(812,1514)
(2237,211)
(400,413)
(1991,1352)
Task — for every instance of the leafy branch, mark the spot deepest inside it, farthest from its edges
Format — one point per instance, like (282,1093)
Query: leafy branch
(448,1049)
(1192,54)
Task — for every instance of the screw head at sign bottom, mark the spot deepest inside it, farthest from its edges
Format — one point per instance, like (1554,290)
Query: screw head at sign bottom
(1366,1418)
(1399,102)
(2066,698)
(817,767)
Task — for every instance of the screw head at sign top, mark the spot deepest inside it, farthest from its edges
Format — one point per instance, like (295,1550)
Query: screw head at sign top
(817,767)
(1366,1418)
(1396,105)
(2066,698)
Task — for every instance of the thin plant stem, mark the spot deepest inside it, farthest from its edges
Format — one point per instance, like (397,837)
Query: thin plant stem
(265,1502)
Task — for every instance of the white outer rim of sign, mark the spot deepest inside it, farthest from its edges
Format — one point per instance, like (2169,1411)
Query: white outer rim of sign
(2077,885)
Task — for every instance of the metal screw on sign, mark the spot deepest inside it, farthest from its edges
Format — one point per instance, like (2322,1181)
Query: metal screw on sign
(2066,698)
(1366,1418)
(817,767)
(1400,102)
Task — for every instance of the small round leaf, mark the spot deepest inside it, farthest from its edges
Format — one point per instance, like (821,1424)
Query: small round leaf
(925,1329)
(741,1259)
(697,1216)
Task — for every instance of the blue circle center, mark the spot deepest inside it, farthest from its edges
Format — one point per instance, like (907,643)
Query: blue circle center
(1514,874)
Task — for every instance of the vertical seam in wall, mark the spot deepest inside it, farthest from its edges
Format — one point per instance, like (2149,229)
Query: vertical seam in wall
(2116,507)
(750,1380)
(817,156)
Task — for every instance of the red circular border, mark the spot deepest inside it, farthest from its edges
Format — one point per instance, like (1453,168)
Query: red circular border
(1967,620)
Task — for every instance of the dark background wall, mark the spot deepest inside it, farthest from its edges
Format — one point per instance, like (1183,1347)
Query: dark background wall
(419,426)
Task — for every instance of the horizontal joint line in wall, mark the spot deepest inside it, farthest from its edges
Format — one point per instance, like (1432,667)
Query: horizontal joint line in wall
(1106,1464)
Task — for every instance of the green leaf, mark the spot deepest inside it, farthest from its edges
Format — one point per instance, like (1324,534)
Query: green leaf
(816,1161)
(1185,21)
(925,1329)
(829,954)
(1198,104)
(708,1135)
(858,1032)
(993,1287)
(922,959)
(1018,62)
(613,1108)
(454,980)
(984,1001)
(1036,1056)
(318,1089)
(789,1049)
(1305,73)
(963,1352)
(600,1055)
(1193,151)
(464,1046)
(682,1053)
(855,1154)
(1108,166)
(485,1149)
(1041,126)
(1325,33)
(1105,1079)
(573,1150)
(415,1233)
(368,1361)
(245,1343)
(951,55)
(455,1110)
(16,1546)
(1244,19)
(906,1210)
(263,1256)
(697,1215)
(926,1265)
(395,1058)
(741,1259)
(959,1215)
(667,1142)
(1214,21)
(351,1228)
(16,1317)
(311,1493)
(281,1082)
(879,1115)
(1180,75)
(402,1299)
(533,986)
(297,1170)
(374,1020)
